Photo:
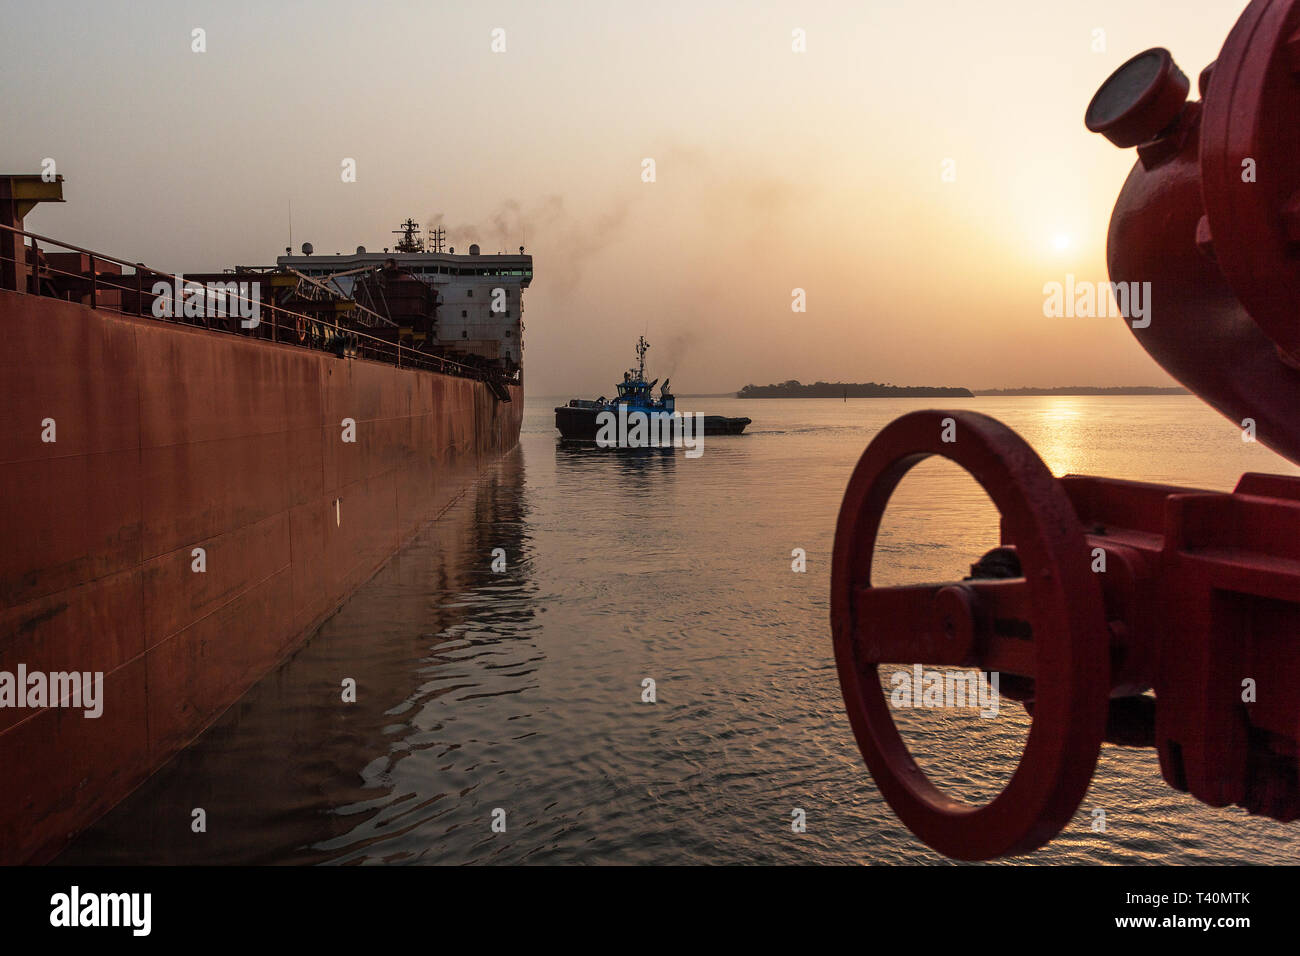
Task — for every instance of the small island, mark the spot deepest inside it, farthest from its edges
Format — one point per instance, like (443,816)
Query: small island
(794,389)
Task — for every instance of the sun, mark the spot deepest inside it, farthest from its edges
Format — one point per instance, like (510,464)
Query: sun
(1060,242)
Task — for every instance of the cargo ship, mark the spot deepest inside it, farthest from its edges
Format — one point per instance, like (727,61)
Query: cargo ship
(198,470)
(581,419)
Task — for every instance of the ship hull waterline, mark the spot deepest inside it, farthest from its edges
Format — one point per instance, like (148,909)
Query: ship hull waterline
(182,508)
(582,424)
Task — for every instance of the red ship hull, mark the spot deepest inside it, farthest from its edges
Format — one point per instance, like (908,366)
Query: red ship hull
(170,439)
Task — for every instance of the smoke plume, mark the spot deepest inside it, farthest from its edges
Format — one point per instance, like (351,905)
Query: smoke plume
(547,230)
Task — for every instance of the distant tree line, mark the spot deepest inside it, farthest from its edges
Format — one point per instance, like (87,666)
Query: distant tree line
(794,389)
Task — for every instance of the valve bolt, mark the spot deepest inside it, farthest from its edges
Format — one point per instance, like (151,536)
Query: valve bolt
(1291,218)
(1203,81)
(1291,49)
(1204,239)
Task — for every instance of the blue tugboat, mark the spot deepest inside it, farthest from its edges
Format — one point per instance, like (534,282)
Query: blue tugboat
(581,421)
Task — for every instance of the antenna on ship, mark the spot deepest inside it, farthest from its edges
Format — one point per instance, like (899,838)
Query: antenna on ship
(410,241)
(641,346)
(436,237)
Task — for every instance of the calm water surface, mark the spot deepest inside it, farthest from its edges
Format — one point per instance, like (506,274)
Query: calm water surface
(522,690)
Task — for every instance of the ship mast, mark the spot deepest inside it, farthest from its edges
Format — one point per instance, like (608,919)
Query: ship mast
(410,241)
(436,237)
(641,346)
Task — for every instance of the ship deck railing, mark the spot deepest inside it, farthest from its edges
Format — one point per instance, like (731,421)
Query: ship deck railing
(109,289)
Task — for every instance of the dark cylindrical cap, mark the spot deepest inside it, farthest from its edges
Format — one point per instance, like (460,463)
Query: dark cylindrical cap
(1140,100)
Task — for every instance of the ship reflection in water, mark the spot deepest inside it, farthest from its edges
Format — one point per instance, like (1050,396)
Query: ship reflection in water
(522,690)
(294,774)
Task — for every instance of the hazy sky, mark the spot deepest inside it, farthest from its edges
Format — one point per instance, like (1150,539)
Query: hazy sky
(775,170)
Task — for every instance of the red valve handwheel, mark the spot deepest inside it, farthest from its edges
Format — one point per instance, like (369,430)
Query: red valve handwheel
(1048,625)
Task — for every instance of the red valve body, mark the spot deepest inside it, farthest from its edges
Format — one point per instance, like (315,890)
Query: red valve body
(1209,217)
(1203,596)
(1199,598)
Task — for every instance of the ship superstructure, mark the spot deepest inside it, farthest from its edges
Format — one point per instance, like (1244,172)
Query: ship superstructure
(479,297)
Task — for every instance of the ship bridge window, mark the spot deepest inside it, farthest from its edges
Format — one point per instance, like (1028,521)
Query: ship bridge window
(469,293)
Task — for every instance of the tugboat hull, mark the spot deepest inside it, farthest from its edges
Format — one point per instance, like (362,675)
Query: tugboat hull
(579,423)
